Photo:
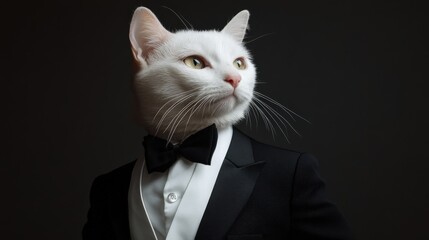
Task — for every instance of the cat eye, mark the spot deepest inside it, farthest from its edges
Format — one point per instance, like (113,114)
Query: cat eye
(194,62)
(239,63)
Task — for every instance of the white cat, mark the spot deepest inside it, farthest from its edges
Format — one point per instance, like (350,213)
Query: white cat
(187,81)
(190,79)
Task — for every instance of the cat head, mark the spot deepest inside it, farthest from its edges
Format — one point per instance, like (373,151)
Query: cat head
(190,79)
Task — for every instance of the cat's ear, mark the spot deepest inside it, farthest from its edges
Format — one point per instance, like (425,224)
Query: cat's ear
(238,25)
(146,33)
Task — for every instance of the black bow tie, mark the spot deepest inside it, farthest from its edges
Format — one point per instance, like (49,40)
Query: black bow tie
(199,148)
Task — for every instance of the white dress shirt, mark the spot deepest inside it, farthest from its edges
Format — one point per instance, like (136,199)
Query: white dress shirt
(170,205)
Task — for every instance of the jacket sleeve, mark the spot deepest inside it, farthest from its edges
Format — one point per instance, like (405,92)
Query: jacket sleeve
(98,225)
(312,215)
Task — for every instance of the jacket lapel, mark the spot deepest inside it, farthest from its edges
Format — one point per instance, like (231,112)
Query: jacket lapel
(232,189)
(140,226)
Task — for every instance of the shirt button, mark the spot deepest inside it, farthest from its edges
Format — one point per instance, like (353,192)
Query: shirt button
(172,197)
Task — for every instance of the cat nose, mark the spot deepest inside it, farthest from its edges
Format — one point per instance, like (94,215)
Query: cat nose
(234,80)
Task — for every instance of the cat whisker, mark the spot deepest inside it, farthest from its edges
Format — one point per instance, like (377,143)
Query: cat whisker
(265,119)
(194,109)
(173,98)
(262,115)
(218,106)
(272,112)
(279,116)
(263,35)
(248,117)
(290,112)
(275,103)
(270,116)
(167,112)
(251,109)
(181,115)
(255,113)
(208,101)
(190,107)
(192,27)
(173,121)
(202,103)
(180,18)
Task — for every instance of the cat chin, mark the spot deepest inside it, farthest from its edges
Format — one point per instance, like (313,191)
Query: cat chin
(228,120)
(186,128)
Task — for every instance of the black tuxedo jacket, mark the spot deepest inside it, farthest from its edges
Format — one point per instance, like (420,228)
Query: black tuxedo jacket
(262,192)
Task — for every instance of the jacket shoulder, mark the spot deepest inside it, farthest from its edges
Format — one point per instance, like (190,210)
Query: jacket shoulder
(267,152)
(121,172)
(108,200)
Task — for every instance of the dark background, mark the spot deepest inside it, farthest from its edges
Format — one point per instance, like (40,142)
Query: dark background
(357,70)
